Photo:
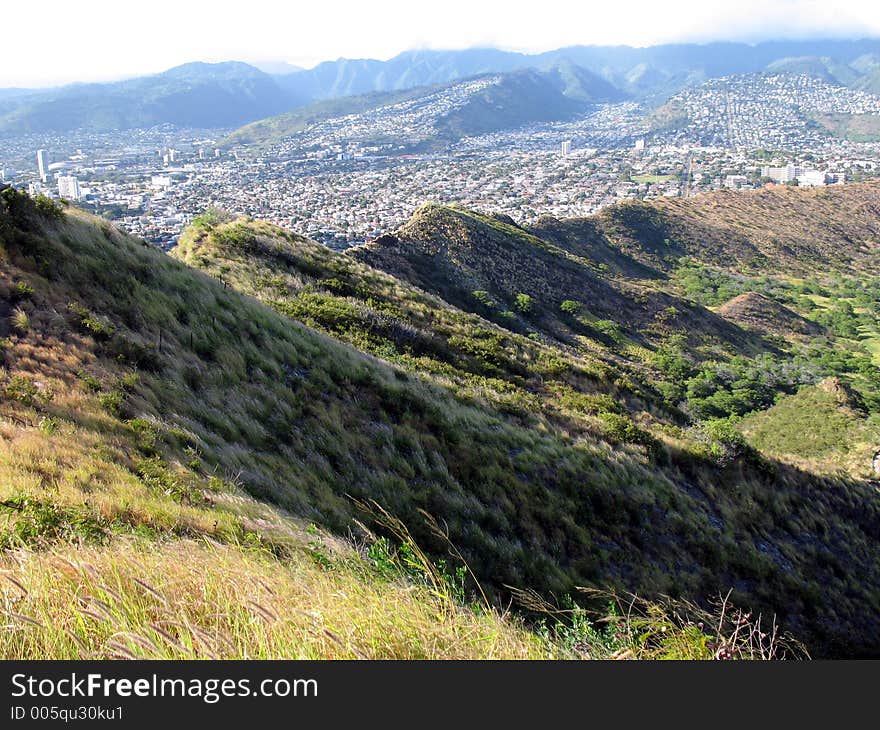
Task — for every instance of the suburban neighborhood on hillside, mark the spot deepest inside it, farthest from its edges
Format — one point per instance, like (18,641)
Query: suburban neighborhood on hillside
(348,179)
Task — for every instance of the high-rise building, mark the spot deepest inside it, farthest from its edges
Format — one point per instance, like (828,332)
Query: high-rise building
(640,144)
(566,148)
(43,164)
(68,187)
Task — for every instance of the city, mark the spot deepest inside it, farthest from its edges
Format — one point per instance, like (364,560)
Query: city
(346,180)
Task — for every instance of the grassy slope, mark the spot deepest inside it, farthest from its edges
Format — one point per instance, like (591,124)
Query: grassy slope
(816,429)
(119,539)
(766,315)
(187,599)
(853,127)
(475,358)
(107,434)
(452,252)
(307,281)
(780,228)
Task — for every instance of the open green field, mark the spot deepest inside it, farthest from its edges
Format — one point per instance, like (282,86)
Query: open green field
(642,179)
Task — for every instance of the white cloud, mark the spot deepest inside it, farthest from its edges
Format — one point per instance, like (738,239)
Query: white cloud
(98,39)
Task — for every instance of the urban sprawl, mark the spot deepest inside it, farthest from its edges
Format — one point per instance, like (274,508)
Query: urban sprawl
(352,178)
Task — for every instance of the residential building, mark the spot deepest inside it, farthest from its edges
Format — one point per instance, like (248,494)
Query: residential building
(68,187)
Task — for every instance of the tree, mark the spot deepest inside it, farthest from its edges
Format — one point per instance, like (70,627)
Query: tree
(570,307)
(523,303)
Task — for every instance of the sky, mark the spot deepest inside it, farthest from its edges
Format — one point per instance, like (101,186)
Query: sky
(51,42)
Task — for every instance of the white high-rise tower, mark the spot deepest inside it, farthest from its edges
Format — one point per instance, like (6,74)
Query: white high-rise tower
(43,164)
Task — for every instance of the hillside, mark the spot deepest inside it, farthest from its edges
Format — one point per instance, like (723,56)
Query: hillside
(269,131)
(822,427)
(145,401)
(853,127)
(824,68)
(778,228)
(708,302)
(192,95)
(516,99)
(455,253)
(345,298)
(441,113)
(766,315)
(391,318)
(773,109)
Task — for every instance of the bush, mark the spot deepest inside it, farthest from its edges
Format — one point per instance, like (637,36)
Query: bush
(48,208)
(21,389)
(237,235)
(621,429)
(20,320)
(90,323)
(523,303)
(482,297)
(721,441)
(570,307)
(21,290)
(211,218)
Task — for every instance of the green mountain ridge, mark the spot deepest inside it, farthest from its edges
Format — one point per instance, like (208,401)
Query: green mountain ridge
(453,252)
(549,466)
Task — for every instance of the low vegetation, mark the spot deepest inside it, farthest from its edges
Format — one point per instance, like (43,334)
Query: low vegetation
(150,408)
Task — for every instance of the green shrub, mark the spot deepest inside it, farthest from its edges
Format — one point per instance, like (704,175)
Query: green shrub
(609,328)
(90,323)
(48,208)
(91,382)
(20,320)
(38,521)
(721,441)
(21,290)
(621,429)
(146,434)
(156,475)
(523,303)
(482,297)
(22,389)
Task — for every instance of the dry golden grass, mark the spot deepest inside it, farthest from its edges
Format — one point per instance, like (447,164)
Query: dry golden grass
(203,600)
(82,469)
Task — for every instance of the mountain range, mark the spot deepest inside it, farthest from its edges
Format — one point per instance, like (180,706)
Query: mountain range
(444,113)
(231,94)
